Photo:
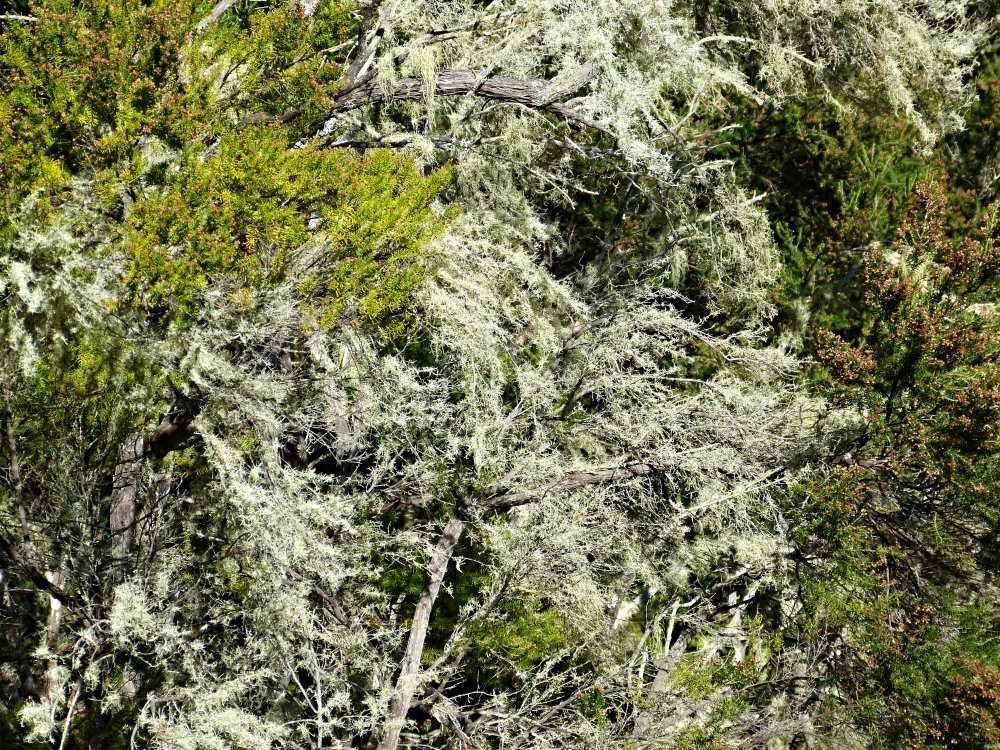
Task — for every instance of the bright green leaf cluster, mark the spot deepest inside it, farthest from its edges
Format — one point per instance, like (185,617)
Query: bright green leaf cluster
(234,219)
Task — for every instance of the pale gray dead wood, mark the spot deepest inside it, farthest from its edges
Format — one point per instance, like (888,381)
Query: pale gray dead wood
(216,13)
(402,697)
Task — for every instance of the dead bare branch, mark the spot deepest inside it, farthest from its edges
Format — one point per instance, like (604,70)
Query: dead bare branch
(533,94)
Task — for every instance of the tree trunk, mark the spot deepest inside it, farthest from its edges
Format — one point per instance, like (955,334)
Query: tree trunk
(124,499)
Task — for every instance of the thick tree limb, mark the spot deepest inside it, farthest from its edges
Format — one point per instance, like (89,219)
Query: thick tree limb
(539,95)
(406,683)
(124,497)
(365,47)
(172,431)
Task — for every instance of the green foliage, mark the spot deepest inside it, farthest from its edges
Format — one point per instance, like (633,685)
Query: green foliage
(525,634)
(103,88)
(924,369)
(84,85)
(836,184)
(277,62)
(890,283)
(923,363)
(234,220)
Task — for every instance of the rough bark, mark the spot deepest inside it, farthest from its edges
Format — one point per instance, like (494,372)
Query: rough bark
(124,497)
(171,432)
(540,95)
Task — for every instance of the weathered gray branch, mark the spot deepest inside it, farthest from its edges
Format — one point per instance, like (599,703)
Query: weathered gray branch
(124,496)
(365,47)
(216,13)
(172,431)
(15,17)
(534,94)
(406,683)
(644,722)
